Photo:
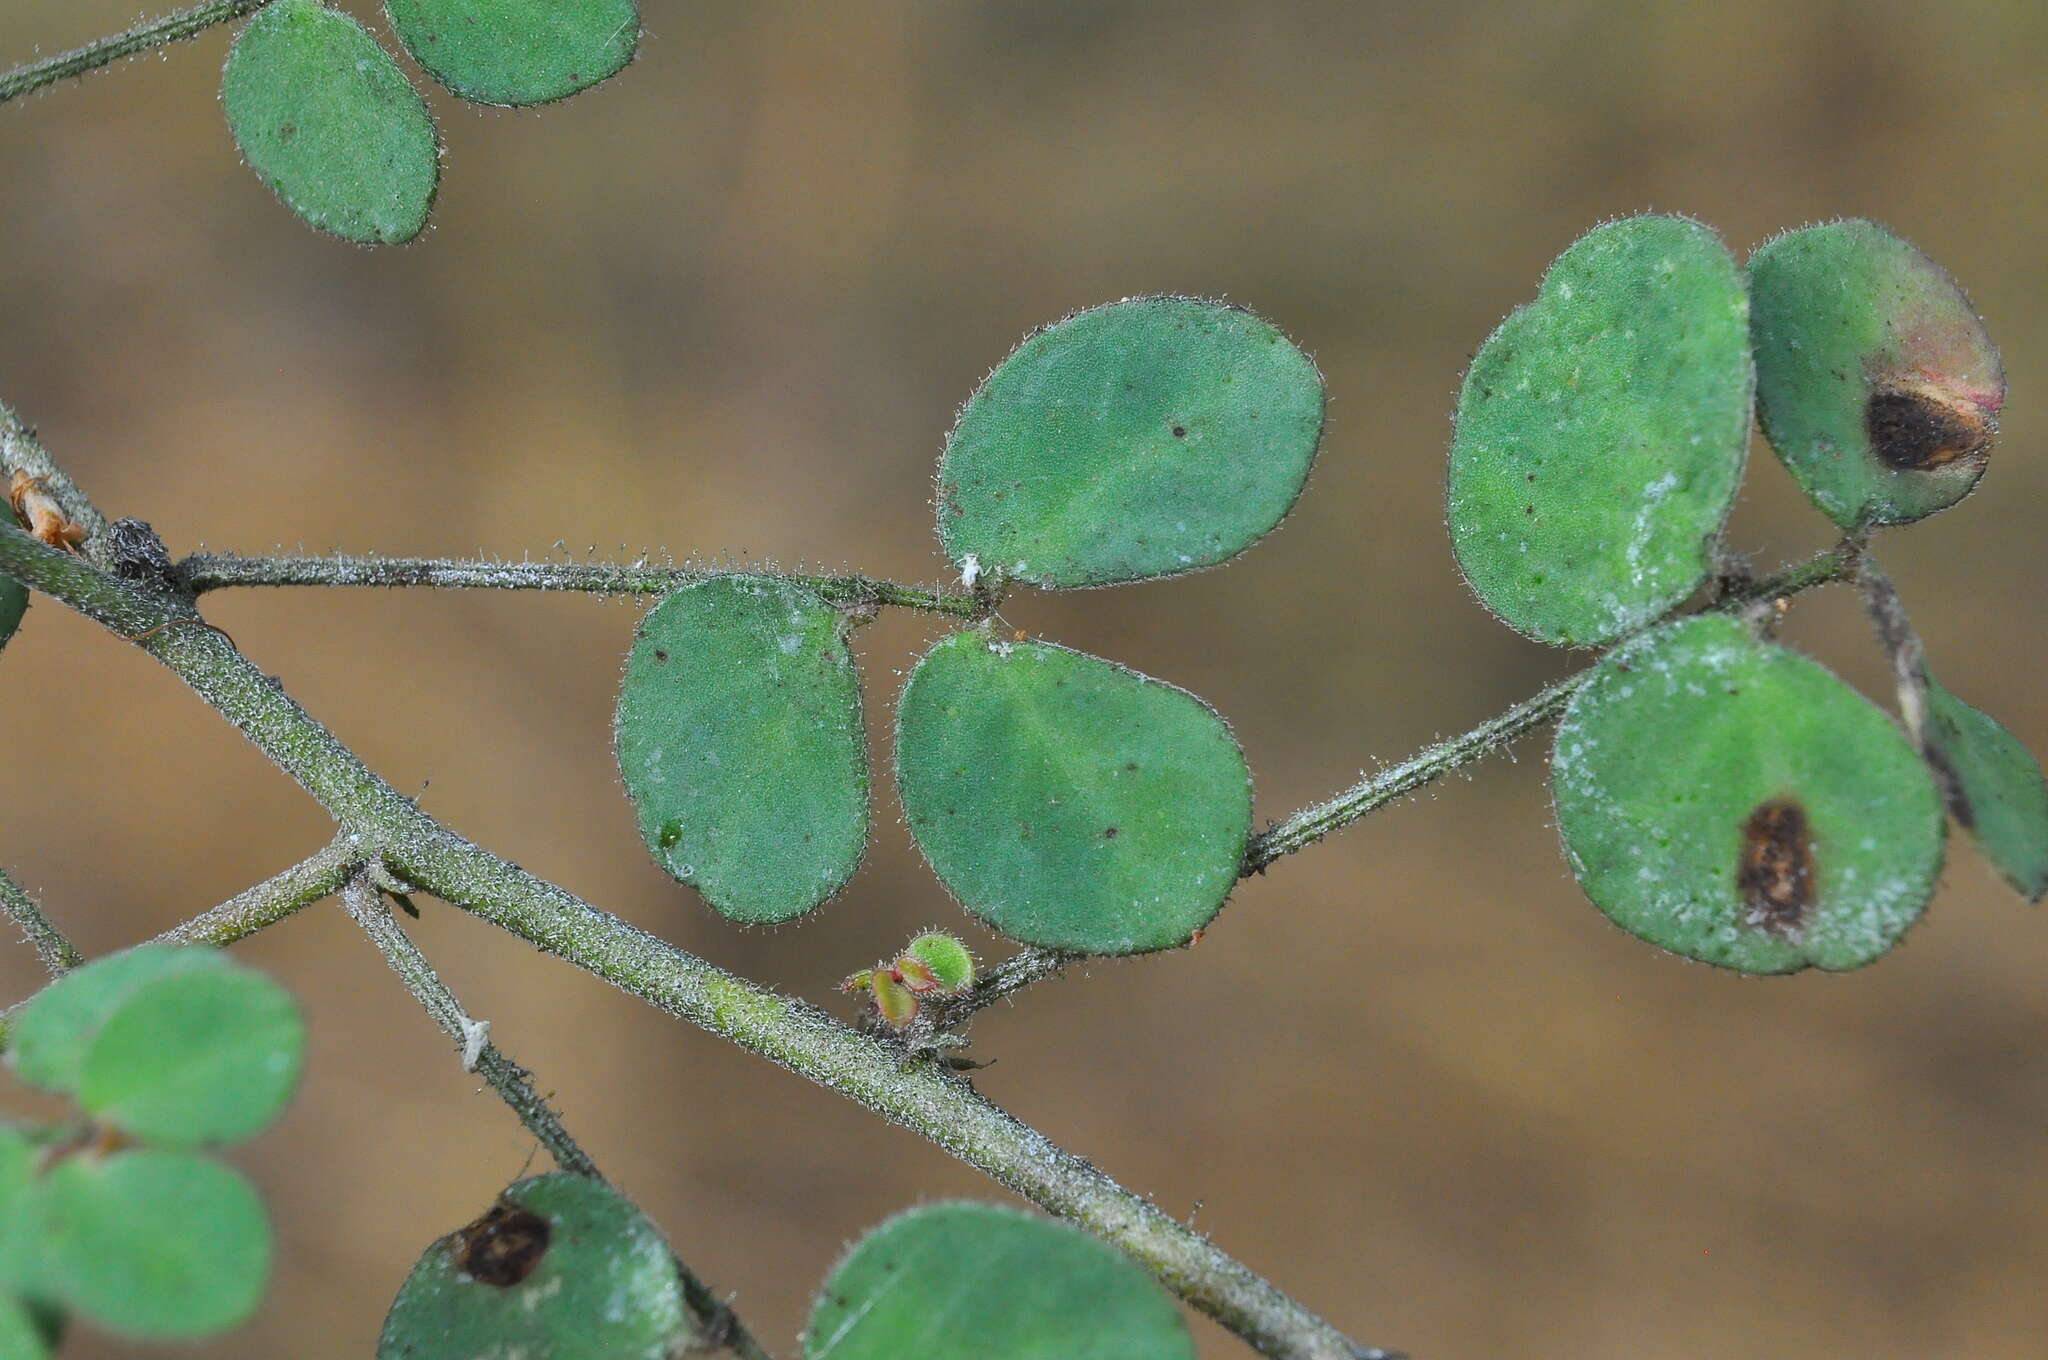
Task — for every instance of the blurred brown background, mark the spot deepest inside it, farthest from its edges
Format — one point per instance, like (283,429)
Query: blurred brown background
(727,304)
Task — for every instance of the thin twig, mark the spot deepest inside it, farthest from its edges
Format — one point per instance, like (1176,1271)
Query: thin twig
(1010,976)
(202,572)
(512,1082)
(1312,823)
(157,32)
(923,1097)
(272,900)
(514,1085)
(58,954)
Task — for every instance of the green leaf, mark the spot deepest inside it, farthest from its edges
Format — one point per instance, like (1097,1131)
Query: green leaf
(739,738)
(13,604)
(324,117)
(18,1250)
(198,1056)
(561,1266)
(1141,439)
(977,1282)
(1601,433)
(154,1244)
(517,52)
(1876,381)
(1069,802)
(20,1337)
(1994,788)
(1732,801)
(50,1040)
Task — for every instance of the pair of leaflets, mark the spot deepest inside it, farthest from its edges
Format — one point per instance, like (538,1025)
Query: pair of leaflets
(1067,801)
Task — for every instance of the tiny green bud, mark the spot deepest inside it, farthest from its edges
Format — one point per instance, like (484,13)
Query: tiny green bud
(945,957)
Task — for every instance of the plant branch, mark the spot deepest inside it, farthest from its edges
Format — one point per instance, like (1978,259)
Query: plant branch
(514,1085)
(1010,976)
(924,1097)
(58,954)
(202,572)
(1312,823)
(512,1082)
(157,32)
(272,900)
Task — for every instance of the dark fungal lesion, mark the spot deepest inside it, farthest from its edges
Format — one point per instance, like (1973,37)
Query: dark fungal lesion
(1913,431)
(504,1246)
(1775,874)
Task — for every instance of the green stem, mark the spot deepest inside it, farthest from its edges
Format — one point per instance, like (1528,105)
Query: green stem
(202,572)
(514,1085)
(1312,823)
(58,954)
(923,1097)
(157,32)
(272,900)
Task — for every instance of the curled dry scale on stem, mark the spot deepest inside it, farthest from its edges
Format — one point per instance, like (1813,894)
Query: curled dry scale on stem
(1719,795)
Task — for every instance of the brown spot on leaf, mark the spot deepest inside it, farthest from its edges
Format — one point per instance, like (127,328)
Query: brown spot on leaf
(503,1247)
(661,653)
(1109,833)
(1916,431)
(1775,874)
(1180,432)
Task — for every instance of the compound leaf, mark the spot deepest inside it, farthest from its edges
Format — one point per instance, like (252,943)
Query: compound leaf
(1601,433)
(152,1243)
(978,1282)
(739,738)
(1877,383)
(1069,802)
(517,52)
(198,1056)
(324,117)
(1994,788)
(1730,800)
(561,1266)
(1140,439)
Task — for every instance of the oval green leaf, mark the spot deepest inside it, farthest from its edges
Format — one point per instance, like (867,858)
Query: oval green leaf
(1066,801)
(1877,383)
(13,604)
(1601,433)
(517,52)
(151,1243)
(979,1282)
(198,1056)
(50,1040)
(1141,439)
(324,117)
(1994,788)
(740,741)
(1731,801)
(561,1266)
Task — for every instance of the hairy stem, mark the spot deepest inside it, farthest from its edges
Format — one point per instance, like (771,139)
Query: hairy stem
(924,1097)
(514,1085)
(1312,823)
(157,32)
(272,900)
(202,572)
(512,1082)
(58,954)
